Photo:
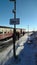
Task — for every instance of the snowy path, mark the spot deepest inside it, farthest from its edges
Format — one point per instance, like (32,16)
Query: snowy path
(27,53)
(6,54)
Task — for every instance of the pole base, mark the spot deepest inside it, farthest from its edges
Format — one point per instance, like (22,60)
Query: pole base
(17,60)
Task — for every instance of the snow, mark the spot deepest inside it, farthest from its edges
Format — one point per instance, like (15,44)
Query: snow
(27,53)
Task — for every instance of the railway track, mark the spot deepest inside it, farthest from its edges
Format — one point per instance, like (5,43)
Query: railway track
(5,44)
(5,41)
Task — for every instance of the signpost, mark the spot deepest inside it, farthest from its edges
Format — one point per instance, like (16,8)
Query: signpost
(14,21)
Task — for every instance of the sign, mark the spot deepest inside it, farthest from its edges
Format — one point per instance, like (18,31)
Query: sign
(14,21)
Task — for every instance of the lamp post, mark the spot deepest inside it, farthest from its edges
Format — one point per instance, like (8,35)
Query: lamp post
(14,36)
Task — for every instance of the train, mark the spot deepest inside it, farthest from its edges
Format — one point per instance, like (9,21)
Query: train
(7,32)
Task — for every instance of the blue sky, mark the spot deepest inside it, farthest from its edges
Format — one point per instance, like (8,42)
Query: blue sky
(26,10)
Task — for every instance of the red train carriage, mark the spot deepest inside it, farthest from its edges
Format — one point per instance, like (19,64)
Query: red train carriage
(4,35)
(7,32)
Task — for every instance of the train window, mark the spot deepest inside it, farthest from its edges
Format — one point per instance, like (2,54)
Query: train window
(1,32)
(8,32)
(4,32)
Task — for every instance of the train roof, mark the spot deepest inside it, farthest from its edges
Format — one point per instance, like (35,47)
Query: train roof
(10,27)
(5,27)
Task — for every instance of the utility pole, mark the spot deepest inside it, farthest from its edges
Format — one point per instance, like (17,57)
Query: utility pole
(28,30)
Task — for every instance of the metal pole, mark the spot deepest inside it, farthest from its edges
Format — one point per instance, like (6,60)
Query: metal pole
(14,34)
(15,12)
(14,51)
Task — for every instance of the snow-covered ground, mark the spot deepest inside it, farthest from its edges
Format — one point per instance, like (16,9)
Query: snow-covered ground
(6,54)
(27,53)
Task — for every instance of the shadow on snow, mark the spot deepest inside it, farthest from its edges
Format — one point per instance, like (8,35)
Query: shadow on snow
(25,57)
